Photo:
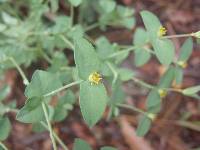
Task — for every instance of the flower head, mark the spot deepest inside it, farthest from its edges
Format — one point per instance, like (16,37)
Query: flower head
(162,93)
(162,31)
(94,78)
(182,64)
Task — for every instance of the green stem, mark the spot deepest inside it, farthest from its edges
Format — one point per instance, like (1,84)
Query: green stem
(67,42)
(49,126)
(56,137)
(72,15)
(93,26)
(62,88)
(142,83)
(25,80)
(131,108)
(3,146)
(177,36)
(122,51)
(115,74)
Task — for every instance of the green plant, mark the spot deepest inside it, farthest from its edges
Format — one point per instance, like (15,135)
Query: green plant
(44,33)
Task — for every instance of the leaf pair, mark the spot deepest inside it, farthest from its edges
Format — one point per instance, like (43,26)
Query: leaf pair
(93,97)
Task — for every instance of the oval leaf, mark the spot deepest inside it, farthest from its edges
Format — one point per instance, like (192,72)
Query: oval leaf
(86,58)
(81,144)
(93,100)
(5,127)
(144,126)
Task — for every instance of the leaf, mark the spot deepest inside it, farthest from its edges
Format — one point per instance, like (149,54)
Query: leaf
(167,78)
(38,127)
(178,75)
(186,50)
(125,74)
(140,37)
(153,99)
(104,47)
(191,90)
(93,100)
(141,57)
(108,148)
(75,2)
(80,144)
(8,19)
(151,22)
(86,58)
(5,127)
(164,50)
(4,92)
(42,82)
(32,111)
(54,5)
(144,126)
(107,5)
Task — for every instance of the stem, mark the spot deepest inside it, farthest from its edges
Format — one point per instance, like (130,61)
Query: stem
(122,51)
(67,42)
(177,36)
(142,83)
(56,137)
(62,88)
(115,74)
(49,126)
(25,80)
(93,26)
(72,15)
(131,108)
(3,146)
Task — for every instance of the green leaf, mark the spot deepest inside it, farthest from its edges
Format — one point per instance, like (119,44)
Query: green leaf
(75,2)
(141,57)
(86,58)
(125,74)
(144,126)
(107,5)
(54,5)
(164,50)
(42,82)
(4,92)
(32,111)
(153,101)
(8,19)
(151,23)
(38,127)
(5,127)
(93,100)
(108,148)
(191,90)
(186,50)
(2,27)
(140,37)
(104,47)
(80,144)
(178,75)
(167,78)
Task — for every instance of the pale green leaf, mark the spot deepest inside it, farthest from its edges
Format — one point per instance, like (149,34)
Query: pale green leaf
(42,82)
(108,148)
(107,5)
(32,111)
(86,58)
(93,100)
(75,2)
(186,50)
(5,127)
(164,50)
(144,126)
(80,144)
(191,90)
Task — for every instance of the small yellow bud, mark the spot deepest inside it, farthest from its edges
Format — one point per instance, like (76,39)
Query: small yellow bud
(162,93)
(182,64)
(151,116)
(196,34)
(162,31)
(94,78)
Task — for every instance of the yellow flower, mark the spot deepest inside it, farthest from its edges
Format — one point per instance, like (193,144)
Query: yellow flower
(162,31)
(162,93)
(182,64)
(151,116)
(94,78)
